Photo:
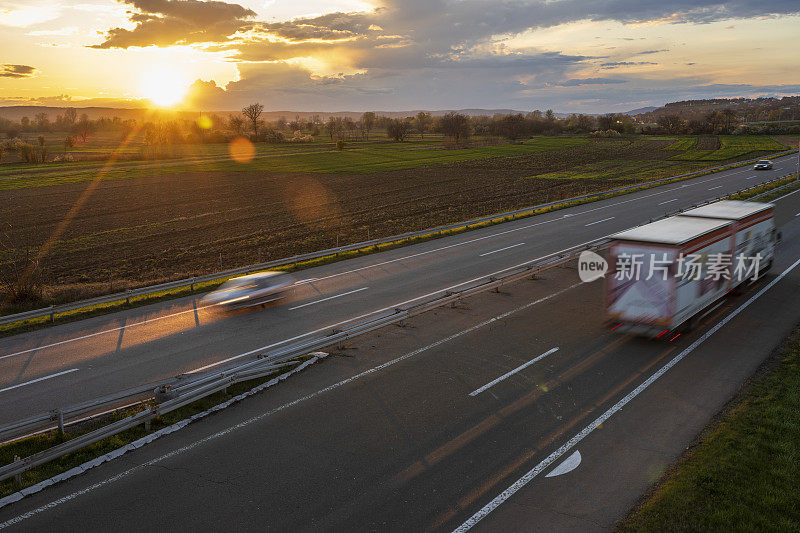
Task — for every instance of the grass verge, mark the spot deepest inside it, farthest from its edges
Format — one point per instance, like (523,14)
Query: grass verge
(37,443)
(743,474)
(32,324)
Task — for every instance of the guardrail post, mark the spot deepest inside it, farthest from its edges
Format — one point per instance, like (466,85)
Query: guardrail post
(52,316)
(58,417)
(191,285)
(18,477)
(259,255)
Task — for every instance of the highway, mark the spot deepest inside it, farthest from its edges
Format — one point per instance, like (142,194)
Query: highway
(75,362)
(516,410)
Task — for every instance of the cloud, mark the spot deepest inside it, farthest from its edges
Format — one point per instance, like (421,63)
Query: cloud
(17,71)
(404,52)
(577,82)
(170,22)
(615,64)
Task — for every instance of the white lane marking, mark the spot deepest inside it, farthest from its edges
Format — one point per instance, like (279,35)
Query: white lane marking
(717,187)
(550,459)
(751,177)
(375,265)
(326,299)
(502,249)
(599,221)
(508,374)
(387,308)
(82,337)
(283,407)
(568,465)
(39,379)
(785,195)
(668,201)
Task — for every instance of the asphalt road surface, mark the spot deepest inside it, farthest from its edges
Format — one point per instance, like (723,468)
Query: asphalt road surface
(516,411)
(66,364)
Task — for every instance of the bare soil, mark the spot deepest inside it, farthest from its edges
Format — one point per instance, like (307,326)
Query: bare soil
(172,226)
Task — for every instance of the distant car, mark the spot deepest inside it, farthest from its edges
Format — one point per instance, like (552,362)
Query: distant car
(764,164)
(251,290)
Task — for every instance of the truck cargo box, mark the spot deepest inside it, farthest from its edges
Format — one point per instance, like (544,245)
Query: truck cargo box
(648,291)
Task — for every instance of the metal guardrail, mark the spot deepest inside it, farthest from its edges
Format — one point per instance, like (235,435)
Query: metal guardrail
(190,282)
(171,394)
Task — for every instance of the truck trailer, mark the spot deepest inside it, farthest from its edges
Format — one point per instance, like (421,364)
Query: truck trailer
(666,274)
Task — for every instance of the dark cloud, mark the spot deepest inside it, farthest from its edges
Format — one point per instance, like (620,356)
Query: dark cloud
(647,52)
(17,71)
(169,22)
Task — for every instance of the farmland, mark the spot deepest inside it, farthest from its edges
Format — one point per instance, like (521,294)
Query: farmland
(137,222)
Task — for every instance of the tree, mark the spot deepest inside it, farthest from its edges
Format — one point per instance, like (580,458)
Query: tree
(398,129)
(253,112)
(70,116)
(69,142)
(455,126)
(368,120)
(84,127)
(281,124)
(334,126)
(236,124)
(672,123)
(421,121)
(42,122)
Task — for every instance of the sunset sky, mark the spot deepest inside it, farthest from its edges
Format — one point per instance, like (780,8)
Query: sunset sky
(568,55)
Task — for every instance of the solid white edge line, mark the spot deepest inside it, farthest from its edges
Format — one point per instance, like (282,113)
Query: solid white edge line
(785,195)
(511,373)
(18,385)
(328,298)
(668,201)
(502,249)
(524,480)
(11,499)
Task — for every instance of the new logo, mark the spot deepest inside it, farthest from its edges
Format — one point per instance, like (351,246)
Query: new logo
(591,266)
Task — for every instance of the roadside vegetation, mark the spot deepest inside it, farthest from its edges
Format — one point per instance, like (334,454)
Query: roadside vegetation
(743,474)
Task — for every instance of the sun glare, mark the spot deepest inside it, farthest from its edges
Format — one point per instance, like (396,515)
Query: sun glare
(163,87)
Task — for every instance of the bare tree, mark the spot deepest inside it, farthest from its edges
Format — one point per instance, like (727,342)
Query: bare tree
(368,120)
(70,116)
(398,129)
(253,112)
(421,121)
(236,124)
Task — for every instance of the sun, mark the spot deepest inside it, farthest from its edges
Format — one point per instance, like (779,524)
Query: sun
(163,86)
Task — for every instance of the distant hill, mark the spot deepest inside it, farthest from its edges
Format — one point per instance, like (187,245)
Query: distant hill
(640,110)
(747,109)
(15,113)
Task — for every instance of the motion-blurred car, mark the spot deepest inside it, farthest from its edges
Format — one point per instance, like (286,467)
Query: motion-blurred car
(250,290)
(764,164)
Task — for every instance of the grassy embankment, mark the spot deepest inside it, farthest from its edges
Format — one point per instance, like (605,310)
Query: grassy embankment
(744,473)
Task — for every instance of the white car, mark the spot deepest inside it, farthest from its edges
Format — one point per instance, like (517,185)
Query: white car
(250,290)
(764,164)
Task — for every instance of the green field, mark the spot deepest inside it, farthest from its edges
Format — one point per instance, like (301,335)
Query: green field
(622,170)
(731,146)
(745,474)
(361,158)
